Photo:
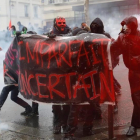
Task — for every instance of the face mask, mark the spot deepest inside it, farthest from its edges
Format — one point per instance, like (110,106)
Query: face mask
(94,28)
(61,23)
(126,29)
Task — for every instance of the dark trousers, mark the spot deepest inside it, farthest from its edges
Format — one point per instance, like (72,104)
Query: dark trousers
(136,111)
(61,113)
(14,96)
(134,80)
(34,107)
(74,114)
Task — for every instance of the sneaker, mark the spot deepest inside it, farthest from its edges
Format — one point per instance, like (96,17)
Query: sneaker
(57,129)
(27,111)
(64,127)
(132,131)
(71,130)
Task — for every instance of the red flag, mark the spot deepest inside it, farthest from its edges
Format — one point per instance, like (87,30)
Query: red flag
(10,25)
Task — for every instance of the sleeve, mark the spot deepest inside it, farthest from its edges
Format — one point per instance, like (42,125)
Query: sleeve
(116,47)
(116,51)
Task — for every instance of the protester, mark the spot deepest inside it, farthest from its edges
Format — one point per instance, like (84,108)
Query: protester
(14,97)
(30,27)
(60,112)
(97,27)
(8,35)
(77,111)
(127,44)
(20,26)
(35,105)
(13,31)
(85,26)
(60,27)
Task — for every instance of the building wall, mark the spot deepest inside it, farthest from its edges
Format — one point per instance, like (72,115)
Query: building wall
(18,12)
(3,14)
(59,8)
(48,11)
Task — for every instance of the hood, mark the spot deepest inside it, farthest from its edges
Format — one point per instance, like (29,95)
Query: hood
(131,22)
(99,29)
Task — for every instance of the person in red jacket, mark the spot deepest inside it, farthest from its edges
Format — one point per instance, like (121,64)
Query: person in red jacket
(128,44)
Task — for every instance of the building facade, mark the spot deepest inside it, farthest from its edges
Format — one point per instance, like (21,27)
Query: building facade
(73,10)
(25,11)
(41,13)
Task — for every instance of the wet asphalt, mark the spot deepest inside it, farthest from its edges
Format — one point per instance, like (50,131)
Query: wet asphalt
(13,126)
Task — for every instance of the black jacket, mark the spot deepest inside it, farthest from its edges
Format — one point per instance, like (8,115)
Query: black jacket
(78,31)
(99,29)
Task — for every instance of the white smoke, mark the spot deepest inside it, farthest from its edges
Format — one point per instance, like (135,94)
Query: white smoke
(4,45)
(111,25)
(3,127)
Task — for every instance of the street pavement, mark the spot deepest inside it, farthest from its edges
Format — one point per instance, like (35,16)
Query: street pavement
(13,126)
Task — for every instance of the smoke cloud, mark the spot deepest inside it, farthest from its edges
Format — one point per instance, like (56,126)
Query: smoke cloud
(3,127)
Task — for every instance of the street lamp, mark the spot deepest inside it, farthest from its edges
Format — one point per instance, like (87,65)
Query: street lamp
(11,5)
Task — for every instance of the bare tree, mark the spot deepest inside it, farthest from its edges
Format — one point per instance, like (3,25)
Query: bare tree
(86,11)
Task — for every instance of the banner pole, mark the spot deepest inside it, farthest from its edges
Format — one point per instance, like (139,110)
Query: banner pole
(110,107)
(110,122)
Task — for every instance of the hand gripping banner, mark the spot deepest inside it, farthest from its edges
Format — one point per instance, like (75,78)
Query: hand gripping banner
(75,69)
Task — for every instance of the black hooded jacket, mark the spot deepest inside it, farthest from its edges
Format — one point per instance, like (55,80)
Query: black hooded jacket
(78,31)
(128,45)
(99,29)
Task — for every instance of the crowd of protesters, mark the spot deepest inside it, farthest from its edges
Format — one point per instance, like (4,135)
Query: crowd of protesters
(67,116)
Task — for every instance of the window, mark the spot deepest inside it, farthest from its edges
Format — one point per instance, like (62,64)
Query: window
(26,8)
(79,16)
(36,11)
(65,0)
(133,9)
(51,1)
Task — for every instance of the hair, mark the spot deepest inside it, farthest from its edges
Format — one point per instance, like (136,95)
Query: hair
(14,28)
(83,22)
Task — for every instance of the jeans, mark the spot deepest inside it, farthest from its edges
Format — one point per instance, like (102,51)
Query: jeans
(14,96)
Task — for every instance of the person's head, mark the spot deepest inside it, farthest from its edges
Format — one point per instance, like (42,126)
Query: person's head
(60,23)
(129,25)
(24,29)
(7,28)
(13,28)
(83,24)
(97,26)
(18,23)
